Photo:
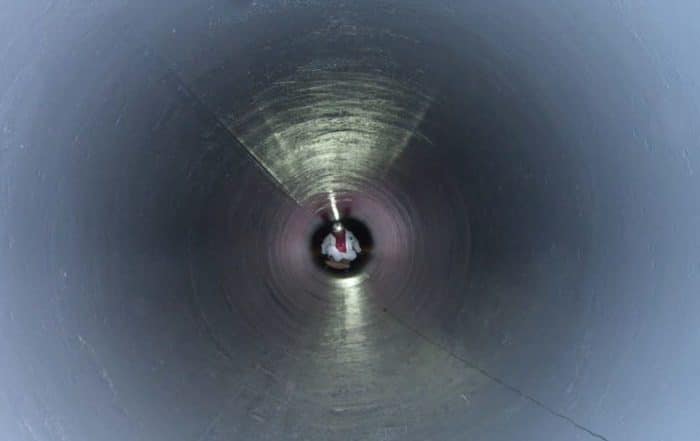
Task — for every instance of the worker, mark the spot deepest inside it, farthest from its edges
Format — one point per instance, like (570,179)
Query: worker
(341,245)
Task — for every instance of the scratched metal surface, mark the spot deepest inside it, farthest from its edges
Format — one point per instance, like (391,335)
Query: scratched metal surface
(528,172)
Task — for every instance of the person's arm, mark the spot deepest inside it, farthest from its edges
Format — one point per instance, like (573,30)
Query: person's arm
(326,244)
(355,243)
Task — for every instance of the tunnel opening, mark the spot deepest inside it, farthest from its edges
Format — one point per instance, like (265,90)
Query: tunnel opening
(363,235)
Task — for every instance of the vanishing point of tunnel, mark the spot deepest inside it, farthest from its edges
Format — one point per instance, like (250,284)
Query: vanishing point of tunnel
(522,175)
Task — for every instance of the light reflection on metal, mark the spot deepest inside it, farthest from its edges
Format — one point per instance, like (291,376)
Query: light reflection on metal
(354,307)
(331,132)
(351,282)
(355,315)
(334,205)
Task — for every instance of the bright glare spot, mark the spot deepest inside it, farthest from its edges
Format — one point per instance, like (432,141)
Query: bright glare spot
(351,282)
(332,131)
(334,206)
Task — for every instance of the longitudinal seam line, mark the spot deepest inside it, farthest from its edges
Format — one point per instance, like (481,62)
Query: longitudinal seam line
(498,380)
(203,106)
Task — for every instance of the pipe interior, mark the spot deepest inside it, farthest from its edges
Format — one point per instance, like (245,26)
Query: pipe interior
(527,171)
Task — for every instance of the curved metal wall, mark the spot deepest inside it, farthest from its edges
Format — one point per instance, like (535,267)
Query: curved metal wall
(527,171)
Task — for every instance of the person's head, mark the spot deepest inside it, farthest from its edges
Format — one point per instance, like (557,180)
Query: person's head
(337,227)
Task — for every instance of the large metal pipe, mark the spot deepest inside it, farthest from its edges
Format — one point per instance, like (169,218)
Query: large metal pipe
(527,171)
